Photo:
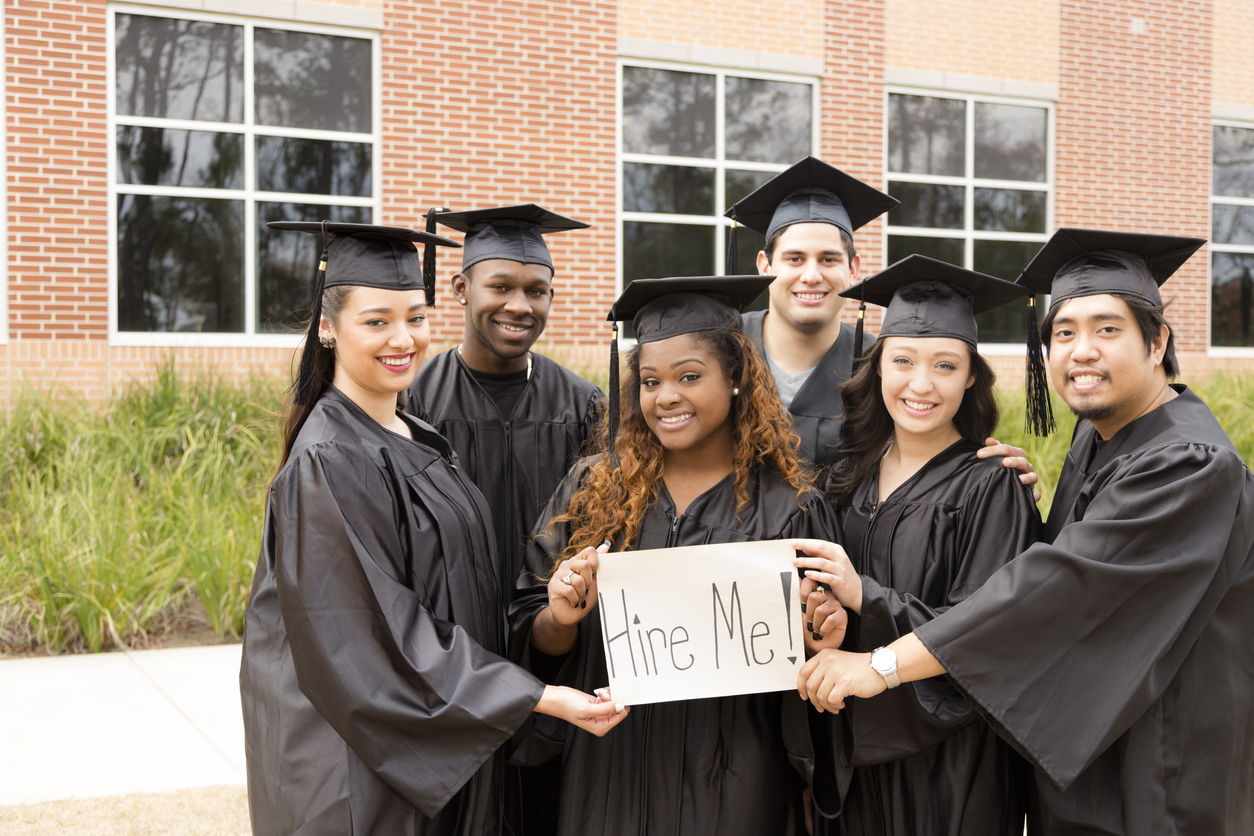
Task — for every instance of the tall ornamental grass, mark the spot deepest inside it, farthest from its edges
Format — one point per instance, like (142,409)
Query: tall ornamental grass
(113,518)
(110,518)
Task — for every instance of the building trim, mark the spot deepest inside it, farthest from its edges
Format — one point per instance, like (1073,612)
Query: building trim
(955,83)
(708,56)
(368,16)
(1234,112)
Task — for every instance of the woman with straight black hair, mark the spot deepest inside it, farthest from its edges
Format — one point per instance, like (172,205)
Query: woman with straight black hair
(922,522)
(374,691)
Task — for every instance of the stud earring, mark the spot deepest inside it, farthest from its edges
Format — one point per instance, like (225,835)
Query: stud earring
(327,342)
(735,390)
(461,301)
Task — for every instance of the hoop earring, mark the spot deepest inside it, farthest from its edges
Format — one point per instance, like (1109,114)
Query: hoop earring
(327,342)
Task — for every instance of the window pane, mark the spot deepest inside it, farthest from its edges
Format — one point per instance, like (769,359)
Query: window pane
(180,264)
(749,242)
(1006,210)
(655,251)
(304,80)
(1006,260)
(767,121)
(738,185)
(1010,142)
(179,69)
(313,166)
(666,112)
(923,204)
(1232,224)
(286,261)
(676,190)
(165,157)
(1234,161)
(926,135)
(1232,299)
(941,249)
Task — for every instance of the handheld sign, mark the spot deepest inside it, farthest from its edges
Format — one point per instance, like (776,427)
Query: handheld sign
(700,621)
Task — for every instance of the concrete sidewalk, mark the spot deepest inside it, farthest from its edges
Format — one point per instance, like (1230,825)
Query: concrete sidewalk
(107,724)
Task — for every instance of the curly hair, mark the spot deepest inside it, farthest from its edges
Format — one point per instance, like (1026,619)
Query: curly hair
(611,503)
(868,426)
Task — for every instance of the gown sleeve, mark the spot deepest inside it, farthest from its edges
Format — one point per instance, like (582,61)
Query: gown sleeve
(417,699)
(998,520)
(1067,646)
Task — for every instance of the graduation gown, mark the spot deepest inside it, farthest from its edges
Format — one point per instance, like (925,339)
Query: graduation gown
(1118,658)
(515,460)
(727,766)
(923,759)
(374,697)
(816,409)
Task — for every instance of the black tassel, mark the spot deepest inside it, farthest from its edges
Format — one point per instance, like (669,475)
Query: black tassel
(304,378)
(1040,412)
(857,332)
(730,267)
(613,404)
(428,258)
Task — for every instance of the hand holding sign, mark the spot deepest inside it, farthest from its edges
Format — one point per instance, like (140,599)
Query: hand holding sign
(573,584)
(700,621)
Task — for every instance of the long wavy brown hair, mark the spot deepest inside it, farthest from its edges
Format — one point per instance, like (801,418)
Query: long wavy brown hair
(868,426)
(612,502)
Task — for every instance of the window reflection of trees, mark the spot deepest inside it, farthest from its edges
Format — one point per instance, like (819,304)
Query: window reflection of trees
(926,135)
(766,121)
(668,113)
(304,80)
(1233,169)
(313,166)
(1009,142)
(179,69)
(168,157)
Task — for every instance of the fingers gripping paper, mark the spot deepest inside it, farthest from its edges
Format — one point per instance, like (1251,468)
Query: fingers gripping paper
(700,621)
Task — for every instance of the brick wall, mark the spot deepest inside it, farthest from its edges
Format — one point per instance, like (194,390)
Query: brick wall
(852,137)
(784,27)
(502,103)
(1232,78)
(1133,131)
(58,212)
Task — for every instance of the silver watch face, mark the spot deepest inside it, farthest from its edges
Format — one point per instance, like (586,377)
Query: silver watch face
(884,661)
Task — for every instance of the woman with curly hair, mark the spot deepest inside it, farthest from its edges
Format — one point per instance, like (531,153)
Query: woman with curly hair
(705,454)
(923,522)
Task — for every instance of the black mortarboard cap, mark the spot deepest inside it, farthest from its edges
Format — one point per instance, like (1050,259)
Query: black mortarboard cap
(810,192)
(1087,262)
(515,233)
(663,308)
(929,298)
(364,255)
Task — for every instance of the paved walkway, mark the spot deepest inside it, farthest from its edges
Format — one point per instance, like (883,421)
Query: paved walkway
(106,724)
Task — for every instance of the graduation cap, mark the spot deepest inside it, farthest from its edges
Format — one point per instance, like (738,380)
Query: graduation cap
(515,233)
(364,255)
(663,308)
(929,298)
(1087,262)
(810,192)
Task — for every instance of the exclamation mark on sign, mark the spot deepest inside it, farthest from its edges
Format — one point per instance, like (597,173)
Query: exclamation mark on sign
(785,579)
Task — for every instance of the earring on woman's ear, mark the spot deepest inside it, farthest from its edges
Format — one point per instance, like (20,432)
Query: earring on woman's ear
(327,342)
(461,301)
(735,391)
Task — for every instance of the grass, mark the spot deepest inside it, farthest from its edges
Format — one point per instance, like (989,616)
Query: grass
(115,519)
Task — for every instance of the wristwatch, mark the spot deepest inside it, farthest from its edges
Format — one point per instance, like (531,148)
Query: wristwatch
(884,662)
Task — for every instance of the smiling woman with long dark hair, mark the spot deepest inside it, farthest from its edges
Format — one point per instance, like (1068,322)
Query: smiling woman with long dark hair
(705,454)
(923,522)
(374,692)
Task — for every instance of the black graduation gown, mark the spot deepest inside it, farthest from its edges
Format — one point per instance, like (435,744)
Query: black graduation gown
(374,699)
(727,766)
(816,409)
(518,460)
(924,761)
(1118,659)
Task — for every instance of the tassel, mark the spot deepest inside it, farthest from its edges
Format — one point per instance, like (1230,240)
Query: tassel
(613,404)
(1040,412)
(304,378)
(428,258)
(730,267)
(857,332)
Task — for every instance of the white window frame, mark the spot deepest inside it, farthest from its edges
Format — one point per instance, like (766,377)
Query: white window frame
(250,195)
(719,164)
(1235,249)
(970,183)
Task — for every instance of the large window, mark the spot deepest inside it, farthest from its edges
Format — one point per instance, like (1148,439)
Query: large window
(973,176)
(693,143)
(1232,238)
(218,127)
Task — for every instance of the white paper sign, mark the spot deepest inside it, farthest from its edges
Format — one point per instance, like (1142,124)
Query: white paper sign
(700,621)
